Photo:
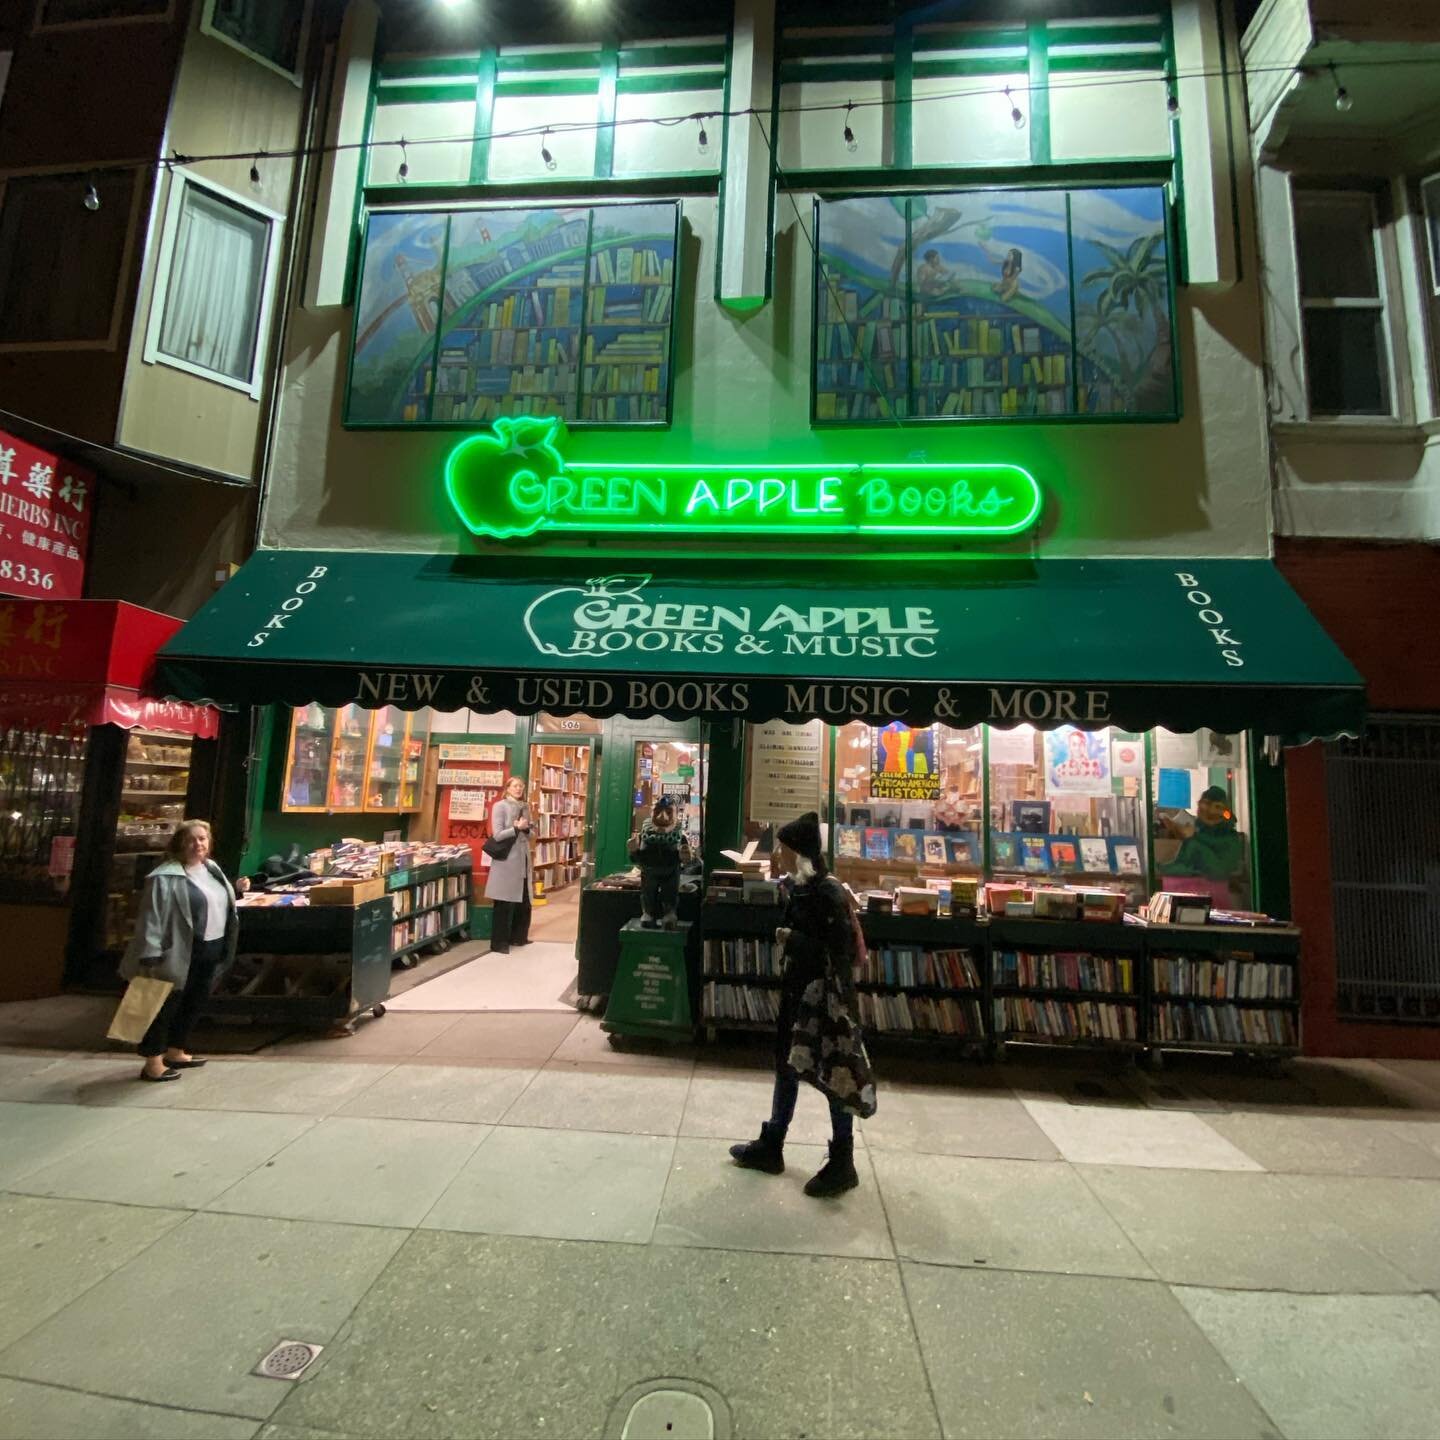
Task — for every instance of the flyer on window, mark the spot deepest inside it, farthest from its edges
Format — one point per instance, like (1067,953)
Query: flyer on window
(1077,762)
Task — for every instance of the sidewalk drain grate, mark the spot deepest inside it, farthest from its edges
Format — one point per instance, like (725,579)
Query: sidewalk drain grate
(670,1409)
(288,1360)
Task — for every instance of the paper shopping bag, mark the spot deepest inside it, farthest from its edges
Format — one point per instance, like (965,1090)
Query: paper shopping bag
(139,1006)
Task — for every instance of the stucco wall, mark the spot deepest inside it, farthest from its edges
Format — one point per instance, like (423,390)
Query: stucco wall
(1196,488)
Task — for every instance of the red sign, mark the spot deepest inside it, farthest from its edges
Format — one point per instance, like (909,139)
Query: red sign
(45,508)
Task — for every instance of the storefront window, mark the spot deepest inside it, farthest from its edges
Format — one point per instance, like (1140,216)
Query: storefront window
(908,803)
(675,768)
(40,778)
(1202,816)
(1067,807)
(787,774)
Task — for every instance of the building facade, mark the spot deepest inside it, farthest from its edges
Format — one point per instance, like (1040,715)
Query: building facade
(1342,116)
(147,393)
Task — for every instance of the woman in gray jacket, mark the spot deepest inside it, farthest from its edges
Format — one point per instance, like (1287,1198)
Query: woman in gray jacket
(186,933)
(510,879)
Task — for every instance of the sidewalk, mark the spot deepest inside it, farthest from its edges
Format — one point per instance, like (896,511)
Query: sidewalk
(497,1226)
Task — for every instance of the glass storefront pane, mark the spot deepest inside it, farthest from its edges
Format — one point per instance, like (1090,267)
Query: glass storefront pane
(1202,823)
(675,768)
(908,804)
(787,773)
(1067,807)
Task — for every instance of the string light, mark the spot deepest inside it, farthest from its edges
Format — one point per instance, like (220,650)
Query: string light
(404,171)
(1343,102)
(1017,115)
(704,138)
(851,143)
(1224,72)
(255,173)
(92,196)
(545,154)
(1172,101)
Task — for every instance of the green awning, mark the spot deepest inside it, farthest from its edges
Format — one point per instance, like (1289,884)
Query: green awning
(1135,643)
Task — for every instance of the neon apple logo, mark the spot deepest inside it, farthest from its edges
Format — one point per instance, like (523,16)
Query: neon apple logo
(513,481)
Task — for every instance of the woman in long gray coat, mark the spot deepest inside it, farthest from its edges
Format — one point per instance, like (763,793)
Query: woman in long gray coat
(510,879)
(186,933)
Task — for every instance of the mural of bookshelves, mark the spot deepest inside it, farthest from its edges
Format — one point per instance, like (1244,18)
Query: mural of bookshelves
(561,312)
(861,349)
(627,334)
(978,360)
(994,304)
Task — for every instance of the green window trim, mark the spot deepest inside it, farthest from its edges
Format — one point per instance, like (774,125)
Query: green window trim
(901,54)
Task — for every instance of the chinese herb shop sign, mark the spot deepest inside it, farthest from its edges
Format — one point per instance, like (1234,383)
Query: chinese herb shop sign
(514,482)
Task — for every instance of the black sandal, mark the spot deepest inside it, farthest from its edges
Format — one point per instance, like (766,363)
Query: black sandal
(186,1064)
(156,1079)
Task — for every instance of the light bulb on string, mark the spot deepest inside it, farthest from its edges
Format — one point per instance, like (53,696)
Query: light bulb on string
(1343,101)
(403,173)
(255,173)
(1172,102)
(704,138)
(545,154)
(851,143)
(92,196)
(1017,115)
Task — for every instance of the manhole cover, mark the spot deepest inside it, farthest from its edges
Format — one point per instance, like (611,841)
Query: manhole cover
(288,1360)
(669,1409)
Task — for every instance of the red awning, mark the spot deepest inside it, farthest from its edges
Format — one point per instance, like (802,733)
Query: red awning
(88,662)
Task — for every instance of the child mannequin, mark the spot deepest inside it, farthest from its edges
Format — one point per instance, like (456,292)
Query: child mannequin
(659,850)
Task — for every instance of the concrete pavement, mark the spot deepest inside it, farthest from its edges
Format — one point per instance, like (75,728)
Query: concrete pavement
(496,1225)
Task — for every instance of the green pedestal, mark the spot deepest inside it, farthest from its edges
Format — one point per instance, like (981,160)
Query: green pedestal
(651,994)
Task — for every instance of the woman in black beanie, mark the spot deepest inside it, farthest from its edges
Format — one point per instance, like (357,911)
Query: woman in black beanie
(819,937)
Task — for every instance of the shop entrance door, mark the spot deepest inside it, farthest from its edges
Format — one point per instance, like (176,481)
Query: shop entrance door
(564,762)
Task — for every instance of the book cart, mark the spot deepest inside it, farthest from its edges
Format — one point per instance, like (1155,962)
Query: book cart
(1067,982)
(431,908)
(1217,987)
(979,985)
(924,978)
(308,964)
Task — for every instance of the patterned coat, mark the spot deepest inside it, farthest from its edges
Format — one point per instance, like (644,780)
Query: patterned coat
(509,877)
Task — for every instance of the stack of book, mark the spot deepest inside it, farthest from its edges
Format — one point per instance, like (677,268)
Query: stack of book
(920,1014)
(741,1002)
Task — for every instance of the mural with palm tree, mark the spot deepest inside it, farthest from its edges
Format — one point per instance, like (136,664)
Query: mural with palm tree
(1123,328)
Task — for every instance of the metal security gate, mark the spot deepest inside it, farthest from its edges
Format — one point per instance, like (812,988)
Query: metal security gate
(1384,803)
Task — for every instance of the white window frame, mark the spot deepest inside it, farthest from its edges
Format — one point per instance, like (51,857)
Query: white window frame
(207,27)
(1430,216)
(42,26)
(153,354)
(1383,302)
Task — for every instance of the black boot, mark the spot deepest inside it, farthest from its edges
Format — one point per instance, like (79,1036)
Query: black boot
(767,1153)
(837,1175)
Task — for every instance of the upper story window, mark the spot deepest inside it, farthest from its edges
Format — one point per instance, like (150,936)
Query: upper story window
(218,257)
(270,31)
(464,316)
(61,261)
(994,304)
(1342,304)
(494,116)
(1029,89)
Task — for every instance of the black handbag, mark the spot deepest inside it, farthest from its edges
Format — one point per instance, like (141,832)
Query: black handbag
(498,849)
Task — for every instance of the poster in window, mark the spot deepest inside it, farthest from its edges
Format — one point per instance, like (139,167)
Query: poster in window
(1077,762)
(1127,755)
(786,770)
(902,765)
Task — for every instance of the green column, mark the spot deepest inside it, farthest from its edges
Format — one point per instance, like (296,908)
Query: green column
(1270,832)
(725,791)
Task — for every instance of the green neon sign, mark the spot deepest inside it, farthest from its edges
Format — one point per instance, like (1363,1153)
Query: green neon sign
(513,481)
